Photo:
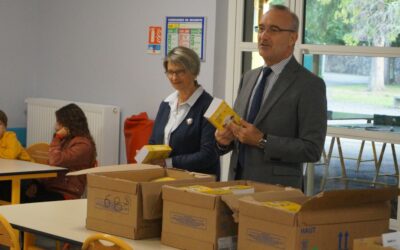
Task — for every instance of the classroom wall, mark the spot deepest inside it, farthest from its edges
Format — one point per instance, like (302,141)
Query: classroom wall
(221,41)
(95,51)
(18,58)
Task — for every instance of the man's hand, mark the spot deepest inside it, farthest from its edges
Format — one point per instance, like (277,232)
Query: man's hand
(224,137)
(246,133)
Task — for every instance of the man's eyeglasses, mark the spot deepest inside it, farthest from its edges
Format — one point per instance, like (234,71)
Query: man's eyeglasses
(177,73)
(272,29)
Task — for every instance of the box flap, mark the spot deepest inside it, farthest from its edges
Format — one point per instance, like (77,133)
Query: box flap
(151,191)
(346,198)
(233,200)
(254,209)
(120,185)
(182,196)
(114,168)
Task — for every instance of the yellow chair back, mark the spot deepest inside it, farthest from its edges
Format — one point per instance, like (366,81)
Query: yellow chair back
(114,243)
(39,152)
(8,236)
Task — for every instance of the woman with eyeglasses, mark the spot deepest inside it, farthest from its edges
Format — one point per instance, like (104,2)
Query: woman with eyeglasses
(180,122)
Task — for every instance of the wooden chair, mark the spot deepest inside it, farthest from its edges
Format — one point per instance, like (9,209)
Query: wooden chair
(39,152)
(93,242)
(8,236)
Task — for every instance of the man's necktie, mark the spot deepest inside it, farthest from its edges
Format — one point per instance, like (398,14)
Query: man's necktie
(251,116)
(258,96)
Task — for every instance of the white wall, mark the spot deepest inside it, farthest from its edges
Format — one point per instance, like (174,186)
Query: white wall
(221,41)
(18,61)
(95,51)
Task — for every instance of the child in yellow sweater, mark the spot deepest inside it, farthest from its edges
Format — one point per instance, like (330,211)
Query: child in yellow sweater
(10,147)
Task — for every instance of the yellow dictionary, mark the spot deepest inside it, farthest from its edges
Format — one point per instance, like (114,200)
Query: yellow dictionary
(152,152)
(219,114)
(284,205)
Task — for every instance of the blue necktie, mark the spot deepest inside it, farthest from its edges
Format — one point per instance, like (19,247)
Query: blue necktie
(258,96)
(251,116)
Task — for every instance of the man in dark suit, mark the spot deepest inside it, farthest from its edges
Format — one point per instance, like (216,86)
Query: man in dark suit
(284,113)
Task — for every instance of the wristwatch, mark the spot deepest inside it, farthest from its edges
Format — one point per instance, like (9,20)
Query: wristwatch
(262,142)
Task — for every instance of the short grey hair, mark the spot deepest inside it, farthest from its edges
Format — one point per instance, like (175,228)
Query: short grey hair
(295,19)
(185,57)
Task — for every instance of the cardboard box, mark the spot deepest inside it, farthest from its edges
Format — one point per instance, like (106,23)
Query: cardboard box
(126,203)
(193,220)
(329,220)
(371,243)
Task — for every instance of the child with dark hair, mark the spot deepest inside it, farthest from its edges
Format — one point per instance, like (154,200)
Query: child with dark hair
(73,148)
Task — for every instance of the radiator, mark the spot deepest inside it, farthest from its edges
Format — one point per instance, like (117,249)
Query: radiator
(103,120)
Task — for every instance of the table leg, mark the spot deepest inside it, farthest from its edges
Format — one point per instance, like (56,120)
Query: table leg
(341,158)
(29,240)
(15,191)
(310,179)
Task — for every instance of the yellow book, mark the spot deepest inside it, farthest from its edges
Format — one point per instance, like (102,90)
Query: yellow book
(161,179)
(240,189)
(219,114)
(197,188)
(284,205)
(217,191)
(152,152)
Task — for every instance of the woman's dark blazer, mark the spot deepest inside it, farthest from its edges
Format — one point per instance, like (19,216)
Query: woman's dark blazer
(193,141)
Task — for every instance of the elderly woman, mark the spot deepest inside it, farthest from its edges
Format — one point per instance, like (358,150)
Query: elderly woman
(180,122)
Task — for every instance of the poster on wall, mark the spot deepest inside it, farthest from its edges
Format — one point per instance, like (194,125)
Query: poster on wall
(154,40)
(187,32)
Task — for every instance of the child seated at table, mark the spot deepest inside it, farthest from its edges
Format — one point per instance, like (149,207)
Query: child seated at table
(73,148)
(10,148)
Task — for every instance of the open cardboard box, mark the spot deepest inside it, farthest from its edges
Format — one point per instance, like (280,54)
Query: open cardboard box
(123,201)
(194,220)
(329,220)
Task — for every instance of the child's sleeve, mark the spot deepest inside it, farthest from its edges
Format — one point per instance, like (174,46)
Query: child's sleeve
(12,147)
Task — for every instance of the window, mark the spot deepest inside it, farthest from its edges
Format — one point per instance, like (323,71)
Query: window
(352,23)
(358,84)
(353,46)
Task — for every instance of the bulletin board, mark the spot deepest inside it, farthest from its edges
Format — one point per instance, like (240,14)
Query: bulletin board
(185,31)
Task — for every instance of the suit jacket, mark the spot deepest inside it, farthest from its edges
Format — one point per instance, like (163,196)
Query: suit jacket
(294,118)
(193,145)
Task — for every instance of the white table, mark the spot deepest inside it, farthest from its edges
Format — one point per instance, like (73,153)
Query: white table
(16,170)
(357,132)
(62,220)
